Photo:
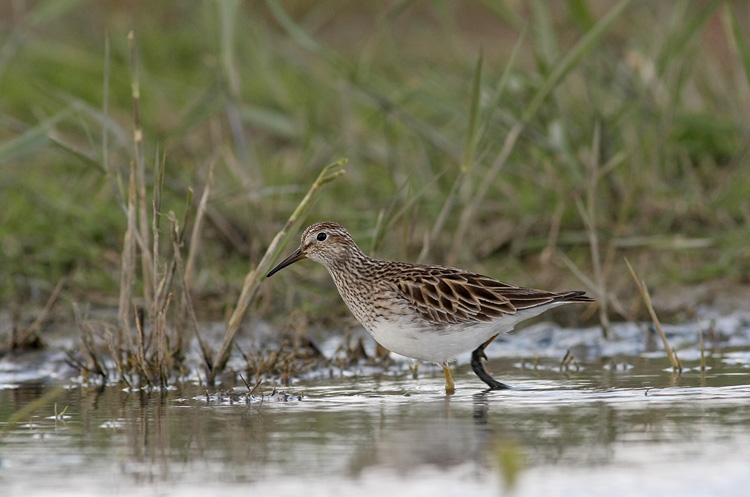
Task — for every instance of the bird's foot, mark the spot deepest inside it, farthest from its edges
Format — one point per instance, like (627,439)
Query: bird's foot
(478,366)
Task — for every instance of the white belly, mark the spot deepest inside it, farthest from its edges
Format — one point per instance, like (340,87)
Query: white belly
(442,344)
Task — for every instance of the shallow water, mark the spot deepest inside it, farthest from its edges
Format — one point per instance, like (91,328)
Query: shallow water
(614,426)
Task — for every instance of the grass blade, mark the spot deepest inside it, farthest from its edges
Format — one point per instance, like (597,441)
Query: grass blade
(742,44)
(294,29)
(684,31)
(32,139)
(147,266)
(547,47)
(472,137)
(585,45)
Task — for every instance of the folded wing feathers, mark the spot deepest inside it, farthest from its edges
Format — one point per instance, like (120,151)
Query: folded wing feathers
(452,296)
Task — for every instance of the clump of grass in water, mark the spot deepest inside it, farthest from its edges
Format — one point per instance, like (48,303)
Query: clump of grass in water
(144,347)
(148,345)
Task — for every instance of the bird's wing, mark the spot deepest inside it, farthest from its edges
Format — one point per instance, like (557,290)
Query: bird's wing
(450,296)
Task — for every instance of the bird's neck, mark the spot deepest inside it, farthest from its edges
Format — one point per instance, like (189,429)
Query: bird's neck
(348,271)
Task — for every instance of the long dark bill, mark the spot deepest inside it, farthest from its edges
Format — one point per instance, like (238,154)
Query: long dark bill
(295,256)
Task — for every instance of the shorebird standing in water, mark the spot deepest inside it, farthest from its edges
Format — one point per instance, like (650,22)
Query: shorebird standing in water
(429,313)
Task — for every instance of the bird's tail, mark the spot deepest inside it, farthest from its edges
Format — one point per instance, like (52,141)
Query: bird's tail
(574,296)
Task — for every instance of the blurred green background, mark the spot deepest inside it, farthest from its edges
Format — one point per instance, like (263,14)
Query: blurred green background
(511,134)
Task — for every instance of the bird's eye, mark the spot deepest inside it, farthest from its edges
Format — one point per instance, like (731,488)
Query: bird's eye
(322,236)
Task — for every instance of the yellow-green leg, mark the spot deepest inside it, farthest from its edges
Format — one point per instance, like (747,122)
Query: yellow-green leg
(450,387)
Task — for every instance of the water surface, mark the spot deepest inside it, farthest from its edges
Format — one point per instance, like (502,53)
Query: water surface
(624,425)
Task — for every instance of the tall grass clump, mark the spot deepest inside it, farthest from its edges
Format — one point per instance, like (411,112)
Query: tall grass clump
(149,343)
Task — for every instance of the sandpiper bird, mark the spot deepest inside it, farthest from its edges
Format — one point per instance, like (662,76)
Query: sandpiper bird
(429,313)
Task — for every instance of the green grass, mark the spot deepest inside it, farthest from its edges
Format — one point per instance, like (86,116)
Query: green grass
(275,90)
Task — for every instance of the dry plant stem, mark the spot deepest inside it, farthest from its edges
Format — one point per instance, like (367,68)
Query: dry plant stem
(195,236)
(703,350)
(247,385)
(251,390)
(140,170)
(117,356)
(257,384)
(37,324)
(676,366)
(141,354)
(554,232)
(127,273)
(162,344)
(162,292)
(187,304)
(140,342)
(255,276)
(87,342)
(156,204)
(616,306)
(588,213)
(156,313)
